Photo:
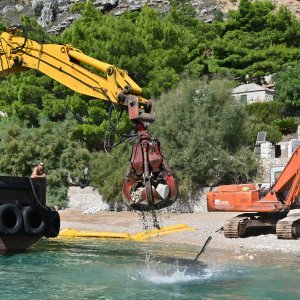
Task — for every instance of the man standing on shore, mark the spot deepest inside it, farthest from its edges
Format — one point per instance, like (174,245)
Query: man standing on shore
(38,171)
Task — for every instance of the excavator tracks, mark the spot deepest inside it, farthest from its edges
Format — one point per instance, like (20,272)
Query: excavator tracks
(289,227)
(250,223)
(286,228)
(235,227)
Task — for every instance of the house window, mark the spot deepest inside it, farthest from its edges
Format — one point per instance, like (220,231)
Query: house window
(277,151)
(243,99)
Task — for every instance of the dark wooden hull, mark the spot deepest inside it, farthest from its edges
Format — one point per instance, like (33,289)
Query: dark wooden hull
(17,242)
(24,216)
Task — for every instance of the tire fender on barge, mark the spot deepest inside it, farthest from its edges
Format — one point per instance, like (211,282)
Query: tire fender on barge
(11,220)
(34,221)
(24,216)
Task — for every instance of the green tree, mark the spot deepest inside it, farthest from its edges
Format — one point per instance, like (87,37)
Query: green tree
(269,117)
(107,173)
(197,124)
(251,15)
(196,128)
(263,117)
(255,41)
(274,135)
(183,8)
(287,125)
(64,157)
(265,112)
(3,24)
(154,48)
(287,86)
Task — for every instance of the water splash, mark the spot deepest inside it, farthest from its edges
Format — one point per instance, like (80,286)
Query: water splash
(143,220)
(169,270)
(149,220)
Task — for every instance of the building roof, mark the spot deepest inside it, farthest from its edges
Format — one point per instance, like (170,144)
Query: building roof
(250,87)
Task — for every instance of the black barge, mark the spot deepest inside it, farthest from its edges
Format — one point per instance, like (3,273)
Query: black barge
(24,216)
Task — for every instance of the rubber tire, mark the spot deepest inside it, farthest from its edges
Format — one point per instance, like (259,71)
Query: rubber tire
(6,209)
(53,224)
(32,229)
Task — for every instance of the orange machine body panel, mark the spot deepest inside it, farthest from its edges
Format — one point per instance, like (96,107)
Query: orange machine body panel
(282,196)
(239,198)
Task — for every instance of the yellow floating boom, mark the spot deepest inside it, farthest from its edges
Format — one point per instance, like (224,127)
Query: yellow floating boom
(73,233)
(141,236)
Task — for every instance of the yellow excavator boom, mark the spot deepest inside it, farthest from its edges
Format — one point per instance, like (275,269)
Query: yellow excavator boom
(63,64)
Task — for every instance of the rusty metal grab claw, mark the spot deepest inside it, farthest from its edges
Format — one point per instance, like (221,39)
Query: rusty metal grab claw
(149,183)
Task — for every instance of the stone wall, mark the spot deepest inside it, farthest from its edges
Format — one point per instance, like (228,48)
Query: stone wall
(91,202)
(268,159)
(87,199)
(266,165)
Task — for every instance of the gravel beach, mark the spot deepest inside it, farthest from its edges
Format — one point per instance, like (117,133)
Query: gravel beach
(205,223)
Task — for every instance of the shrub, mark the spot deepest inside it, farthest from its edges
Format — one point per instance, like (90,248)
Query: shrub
(38,8)
(287,125)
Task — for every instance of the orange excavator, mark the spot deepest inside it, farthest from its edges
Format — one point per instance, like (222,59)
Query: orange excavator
(261,209)
(149,184)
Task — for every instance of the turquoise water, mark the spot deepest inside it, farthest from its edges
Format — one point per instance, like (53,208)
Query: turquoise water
(96,269)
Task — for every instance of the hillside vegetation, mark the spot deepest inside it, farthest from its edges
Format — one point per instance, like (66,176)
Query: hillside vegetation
(188,66)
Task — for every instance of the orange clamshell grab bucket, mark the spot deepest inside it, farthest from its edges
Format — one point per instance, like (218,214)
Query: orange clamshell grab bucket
(149,183)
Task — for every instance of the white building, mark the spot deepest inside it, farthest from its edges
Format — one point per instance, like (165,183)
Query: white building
(252,93)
